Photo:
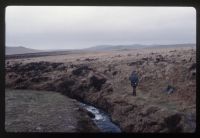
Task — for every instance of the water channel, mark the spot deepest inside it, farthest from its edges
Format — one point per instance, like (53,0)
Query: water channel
(101,119)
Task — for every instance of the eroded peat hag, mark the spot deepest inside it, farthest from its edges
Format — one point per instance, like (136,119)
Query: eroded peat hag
(103,82)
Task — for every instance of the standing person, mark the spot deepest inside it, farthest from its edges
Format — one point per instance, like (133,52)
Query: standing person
(134,81)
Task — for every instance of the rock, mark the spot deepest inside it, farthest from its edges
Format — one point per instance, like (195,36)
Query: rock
(169,89)
(91,115)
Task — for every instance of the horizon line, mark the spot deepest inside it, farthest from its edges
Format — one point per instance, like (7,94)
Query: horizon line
(106,45)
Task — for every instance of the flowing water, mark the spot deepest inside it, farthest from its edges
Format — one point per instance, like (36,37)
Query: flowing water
(101,119)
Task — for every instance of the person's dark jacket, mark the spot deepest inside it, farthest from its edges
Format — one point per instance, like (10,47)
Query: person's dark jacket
(134,79)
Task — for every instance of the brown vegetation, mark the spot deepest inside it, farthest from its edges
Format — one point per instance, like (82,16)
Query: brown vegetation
(166,95)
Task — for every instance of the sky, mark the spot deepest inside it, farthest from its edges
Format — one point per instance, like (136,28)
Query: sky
(77,27)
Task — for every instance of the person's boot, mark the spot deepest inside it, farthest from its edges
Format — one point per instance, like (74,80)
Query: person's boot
(134,92)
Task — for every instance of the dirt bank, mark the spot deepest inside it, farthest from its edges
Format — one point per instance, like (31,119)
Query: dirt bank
(41,111)
(102,80)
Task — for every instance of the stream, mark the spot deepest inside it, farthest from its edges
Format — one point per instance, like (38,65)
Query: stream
(101,119)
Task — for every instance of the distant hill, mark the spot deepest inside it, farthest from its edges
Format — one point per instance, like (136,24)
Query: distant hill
(20,50)
(114,47)
(135,46)
(173,45)
(24,50)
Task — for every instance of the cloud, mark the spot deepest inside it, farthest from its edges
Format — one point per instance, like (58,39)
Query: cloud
(54,27)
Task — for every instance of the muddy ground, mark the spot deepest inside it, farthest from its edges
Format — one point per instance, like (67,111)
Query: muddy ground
(166,95)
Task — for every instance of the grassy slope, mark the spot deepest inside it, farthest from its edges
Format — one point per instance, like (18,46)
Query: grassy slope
(41,111)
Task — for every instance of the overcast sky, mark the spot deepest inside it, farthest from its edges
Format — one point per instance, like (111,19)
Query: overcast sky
(75,27)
